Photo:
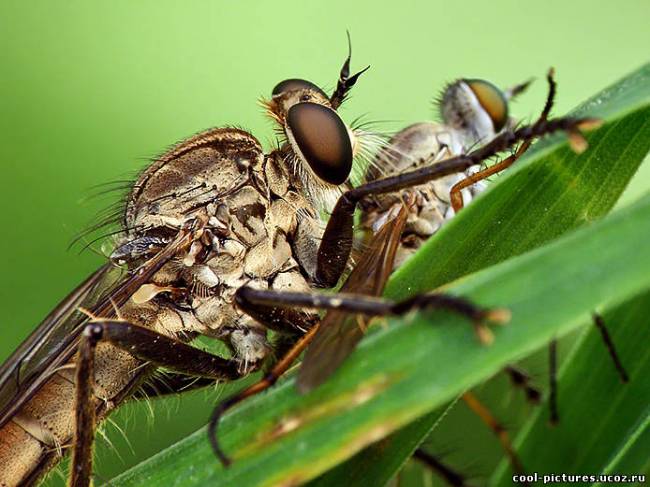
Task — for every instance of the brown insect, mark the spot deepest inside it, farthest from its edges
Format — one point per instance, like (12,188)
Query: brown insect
(218,239)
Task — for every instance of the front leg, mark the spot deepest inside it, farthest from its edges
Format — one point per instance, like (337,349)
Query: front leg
(374,306)
(146,345)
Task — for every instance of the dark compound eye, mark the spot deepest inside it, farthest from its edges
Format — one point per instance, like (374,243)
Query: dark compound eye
(323,140)
(295,84)
(492,100)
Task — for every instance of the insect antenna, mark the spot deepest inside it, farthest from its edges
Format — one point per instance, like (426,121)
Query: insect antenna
(345,82)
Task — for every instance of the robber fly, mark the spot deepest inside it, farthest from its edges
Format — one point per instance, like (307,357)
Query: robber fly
(219,239)
(210,216)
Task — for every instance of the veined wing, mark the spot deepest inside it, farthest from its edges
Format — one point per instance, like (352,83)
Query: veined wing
(54,341)
(339,332)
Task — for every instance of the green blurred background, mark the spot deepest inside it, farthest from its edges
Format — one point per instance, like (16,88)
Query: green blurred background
(90,91)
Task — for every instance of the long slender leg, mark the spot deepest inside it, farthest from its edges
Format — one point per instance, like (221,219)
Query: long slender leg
(146,345)
(455,193)
(497,428)
(375,306)
(167,352)
(554,416)
(82,453)
(609,343)
(337,240)
(451,476)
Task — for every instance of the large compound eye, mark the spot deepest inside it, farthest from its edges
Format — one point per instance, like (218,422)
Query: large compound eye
(293,85)
(322,139)
(492,100)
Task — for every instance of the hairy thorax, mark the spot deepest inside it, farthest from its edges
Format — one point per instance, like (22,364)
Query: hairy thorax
(260,232)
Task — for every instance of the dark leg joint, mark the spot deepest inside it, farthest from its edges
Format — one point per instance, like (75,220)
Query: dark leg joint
(521,380)
(479,316)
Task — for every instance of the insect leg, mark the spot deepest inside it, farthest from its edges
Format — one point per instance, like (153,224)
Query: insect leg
(521,379)
(146,345)
(82,453)
(552,358)
(455,195)
(600,324)
(375,306)
(451,476)
(161,350)
(497,428)
(337,240)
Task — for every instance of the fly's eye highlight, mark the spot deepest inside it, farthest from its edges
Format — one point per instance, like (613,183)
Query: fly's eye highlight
(295,84)
(492,100)
(321,138)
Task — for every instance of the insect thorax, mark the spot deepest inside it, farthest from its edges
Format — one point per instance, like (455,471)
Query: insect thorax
(261,232)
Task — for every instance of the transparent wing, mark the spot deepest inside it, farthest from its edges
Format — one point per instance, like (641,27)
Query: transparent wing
(339,332)
(54,341)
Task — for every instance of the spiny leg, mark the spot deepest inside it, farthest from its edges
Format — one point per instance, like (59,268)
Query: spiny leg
(84,434)
(376,306)
(455,195)
(497,428)
(146,345)
(337,240)
(448,474)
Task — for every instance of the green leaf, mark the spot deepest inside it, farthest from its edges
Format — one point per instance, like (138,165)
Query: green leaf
(601,419)
(282,438)
(546,194)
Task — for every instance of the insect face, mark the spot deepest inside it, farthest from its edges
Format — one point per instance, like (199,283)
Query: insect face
(475,106)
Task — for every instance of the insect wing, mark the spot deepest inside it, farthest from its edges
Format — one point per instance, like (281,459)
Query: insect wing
(49,339)
(54,341)
(339,331)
